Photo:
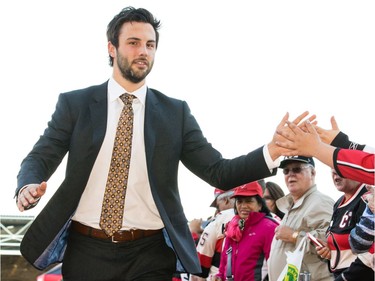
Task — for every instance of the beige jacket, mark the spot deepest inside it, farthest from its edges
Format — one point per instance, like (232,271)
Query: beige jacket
(311,213)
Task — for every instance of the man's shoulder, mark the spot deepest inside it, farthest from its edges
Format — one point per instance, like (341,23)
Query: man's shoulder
(91,88)
(97,92)
(318,194)
(220,219)
(318,201)
(224,216)
(161,96)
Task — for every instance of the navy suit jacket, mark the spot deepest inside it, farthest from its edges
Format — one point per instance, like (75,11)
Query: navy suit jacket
(78,127)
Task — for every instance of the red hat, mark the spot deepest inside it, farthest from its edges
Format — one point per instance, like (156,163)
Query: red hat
(217,192)
(248,189)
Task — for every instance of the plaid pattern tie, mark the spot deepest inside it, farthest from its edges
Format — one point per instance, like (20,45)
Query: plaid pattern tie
(114,195)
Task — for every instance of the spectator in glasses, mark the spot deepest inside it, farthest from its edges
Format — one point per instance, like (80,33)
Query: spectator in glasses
(306,210)
(272,192)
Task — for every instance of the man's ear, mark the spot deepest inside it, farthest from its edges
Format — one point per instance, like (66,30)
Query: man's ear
(313,172)
(111,49)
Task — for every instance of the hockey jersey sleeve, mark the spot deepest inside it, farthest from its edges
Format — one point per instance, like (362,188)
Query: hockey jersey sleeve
(355,164)
(342,141)
(206,248)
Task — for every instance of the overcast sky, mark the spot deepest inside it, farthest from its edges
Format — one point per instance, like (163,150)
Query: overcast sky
(239,67)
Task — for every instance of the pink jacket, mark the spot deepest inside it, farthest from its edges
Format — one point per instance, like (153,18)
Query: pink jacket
(249,254)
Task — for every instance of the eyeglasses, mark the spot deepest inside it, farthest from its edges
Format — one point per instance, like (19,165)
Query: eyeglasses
(295,170)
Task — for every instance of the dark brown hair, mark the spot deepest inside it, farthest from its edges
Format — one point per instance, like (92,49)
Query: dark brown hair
(275,192)
(130,14)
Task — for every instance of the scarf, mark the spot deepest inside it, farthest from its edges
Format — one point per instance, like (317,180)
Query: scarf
(234,228)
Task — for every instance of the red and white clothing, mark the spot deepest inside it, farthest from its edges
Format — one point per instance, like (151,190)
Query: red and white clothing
(355,164)
(210,244)
(344,264)
(346,214)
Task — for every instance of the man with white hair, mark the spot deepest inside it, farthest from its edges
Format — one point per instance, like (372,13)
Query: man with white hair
(306,210)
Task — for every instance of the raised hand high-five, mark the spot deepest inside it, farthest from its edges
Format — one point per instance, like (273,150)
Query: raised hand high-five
(327,136)
(283,130)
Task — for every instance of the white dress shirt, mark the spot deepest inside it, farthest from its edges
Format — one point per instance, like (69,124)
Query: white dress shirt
(140,211)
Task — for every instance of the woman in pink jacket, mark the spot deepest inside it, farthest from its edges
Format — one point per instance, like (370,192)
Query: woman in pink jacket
(248,237)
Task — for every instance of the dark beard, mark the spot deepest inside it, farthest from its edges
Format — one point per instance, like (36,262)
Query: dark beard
(128,73)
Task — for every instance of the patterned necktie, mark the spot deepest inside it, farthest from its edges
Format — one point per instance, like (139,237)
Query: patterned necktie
(114,195)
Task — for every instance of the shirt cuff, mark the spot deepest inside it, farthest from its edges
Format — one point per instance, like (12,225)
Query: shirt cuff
(21,189)
(267,157)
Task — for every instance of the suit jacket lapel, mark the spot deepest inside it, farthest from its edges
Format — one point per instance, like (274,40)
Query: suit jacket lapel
(98,115)
(150,126)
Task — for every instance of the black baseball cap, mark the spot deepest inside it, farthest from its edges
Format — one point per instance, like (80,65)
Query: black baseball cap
(303,159)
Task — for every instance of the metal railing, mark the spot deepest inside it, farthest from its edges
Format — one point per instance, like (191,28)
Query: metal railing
(12,230)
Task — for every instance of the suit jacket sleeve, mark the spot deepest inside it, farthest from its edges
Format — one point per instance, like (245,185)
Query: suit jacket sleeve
(49,150)
(207,163)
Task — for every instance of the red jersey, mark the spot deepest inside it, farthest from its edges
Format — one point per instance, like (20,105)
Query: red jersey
(355,164)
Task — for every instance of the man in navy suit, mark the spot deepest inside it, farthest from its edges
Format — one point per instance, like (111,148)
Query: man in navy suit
(154,238)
